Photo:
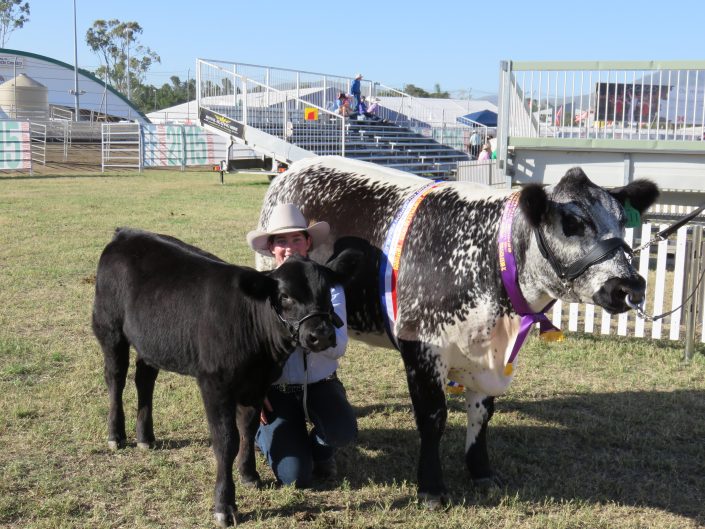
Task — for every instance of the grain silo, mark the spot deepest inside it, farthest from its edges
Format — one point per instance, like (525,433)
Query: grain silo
(23,97)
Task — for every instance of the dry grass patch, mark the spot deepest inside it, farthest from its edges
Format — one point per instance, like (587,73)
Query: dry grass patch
(596,432)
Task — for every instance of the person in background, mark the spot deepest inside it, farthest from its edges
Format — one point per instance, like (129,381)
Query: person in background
(475,144)
(356,91)
(486,152)
(308,386)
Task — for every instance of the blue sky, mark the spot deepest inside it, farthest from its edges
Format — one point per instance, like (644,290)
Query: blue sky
(457,44)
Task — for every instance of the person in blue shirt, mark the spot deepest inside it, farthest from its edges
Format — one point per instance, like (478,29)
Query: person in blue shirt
(356,92)
(296,453)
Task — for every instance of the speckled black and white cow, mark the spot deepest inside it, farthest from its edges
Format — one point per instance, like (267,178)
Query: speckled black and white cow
(455,320)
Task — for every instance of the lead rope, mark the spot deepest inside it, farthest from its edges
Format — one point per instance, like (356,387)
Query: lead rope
(640,310)
(659,237)
(305,353)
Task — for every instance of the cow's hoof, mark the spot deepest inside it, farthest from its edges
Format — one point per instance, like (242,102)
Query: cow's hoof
(145,446)
(116,444)
(226,519)
(433,502)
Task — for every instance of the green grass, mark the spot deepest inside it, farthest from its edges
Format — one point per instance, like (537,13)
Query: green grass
(595,432)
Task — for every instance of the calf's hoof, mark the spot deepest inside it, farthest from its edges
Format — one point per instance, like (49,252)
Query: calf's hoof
(144,446)
(433,502)
(226,519)
(116,444)
(251,483)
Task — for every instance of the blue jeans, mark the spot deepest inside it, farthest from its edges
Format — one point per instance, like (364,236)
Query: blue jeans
(287,444)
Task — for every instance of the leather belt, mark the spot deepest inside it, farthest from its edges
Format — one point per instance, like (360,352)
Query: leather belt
(296,388)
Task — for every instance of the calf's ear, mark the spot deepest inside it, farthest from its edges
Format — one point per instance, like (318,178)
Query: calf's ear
(640,193)
(257,285)
(533,202)
(345,265)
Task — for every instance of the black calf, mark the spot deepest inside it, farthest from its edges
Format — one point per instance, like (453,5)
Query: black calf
(230,327)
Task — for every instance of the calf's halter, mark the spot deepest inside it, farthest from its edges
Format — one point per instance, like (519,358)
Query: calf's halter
(295,327)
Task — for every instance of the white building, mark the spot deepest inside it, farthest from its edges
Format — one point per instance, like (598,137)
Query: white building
(96,99)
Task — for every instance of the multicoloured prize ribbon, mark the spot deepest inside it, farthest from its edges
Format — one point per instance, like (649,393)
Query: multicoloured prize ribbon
(510,279)
(391,255)
(391,260)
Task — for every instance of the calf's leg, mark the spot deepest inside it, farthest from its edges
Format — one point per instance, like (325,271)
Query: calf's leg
(220,405)
(116,354)
(426,387)
(247,423)
(145,376)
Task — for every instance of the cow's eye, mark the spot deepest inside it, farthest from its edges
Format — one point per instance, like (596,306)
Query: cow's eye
(572,225)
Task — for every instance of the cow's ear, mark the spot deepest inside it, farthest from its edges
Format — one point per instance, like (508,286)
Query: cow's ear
(533,202)
(257,285)
(345,266)
(640,193)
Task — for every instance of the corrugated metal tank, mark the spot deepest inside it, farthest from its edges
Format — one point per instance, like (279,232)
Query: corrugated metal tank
(28,96)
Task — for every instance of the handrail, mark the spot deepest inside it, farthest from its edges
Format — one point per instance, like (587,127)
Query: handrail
(245,95)
(270,88)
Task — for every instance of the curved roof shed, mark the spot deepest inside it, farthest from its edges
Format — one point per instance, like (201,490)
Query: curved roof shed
(58,79)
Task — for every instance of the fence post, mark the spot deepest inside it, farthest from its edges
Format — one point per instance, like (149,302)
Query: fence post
(184,148)
(693,275)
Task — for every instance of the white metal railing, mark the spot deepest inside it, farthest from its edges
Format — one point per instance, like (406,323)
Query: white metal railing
(482,172)
(121,146)
(321,91)
(38,141)
(283,112)
(606,100)
(61,113)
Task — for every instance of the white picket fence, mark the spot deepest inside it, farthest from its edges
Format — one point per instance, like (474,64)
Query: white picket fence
(665,267)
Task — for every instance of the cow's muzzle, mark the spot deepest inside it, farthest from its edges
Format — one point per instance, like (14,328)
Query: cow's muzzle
(612,295)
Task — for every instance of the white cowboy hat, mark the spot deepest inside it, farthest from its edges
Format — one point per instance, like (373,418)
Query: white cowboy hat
(358,76)
(286,218)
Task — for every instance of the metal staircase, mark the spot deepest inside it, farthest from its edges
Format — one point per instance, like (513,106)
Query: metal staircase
(288,121)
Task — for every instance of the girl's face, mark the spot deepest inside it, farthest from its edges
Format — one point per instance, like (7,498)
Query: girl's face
(285,245)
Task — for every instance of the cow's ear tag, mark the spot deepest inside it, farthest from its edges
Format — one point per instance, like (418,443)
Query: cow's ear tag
(633,215)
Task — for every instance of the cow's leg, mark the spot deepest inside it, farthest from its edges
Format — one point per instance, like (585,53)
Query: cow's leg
(145,376)
(480,409)
(247,424)
(116,353)
(426,386)
(220,405)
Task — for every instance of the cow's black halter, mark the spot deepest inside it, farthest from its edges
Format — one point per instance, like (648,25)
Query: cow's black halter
(598,252)
(294,327)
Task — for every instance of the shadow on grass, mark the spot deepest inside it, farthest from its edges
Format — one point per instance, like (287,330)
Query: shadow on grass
(640,448)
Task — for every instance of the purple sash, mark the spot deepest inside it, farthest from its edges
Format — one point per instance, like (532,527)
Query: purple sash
(508,268)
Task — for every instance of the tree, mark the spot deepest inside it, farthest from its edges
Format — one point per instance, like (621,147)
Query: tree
(415,91)
(111,40)
(13,15)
